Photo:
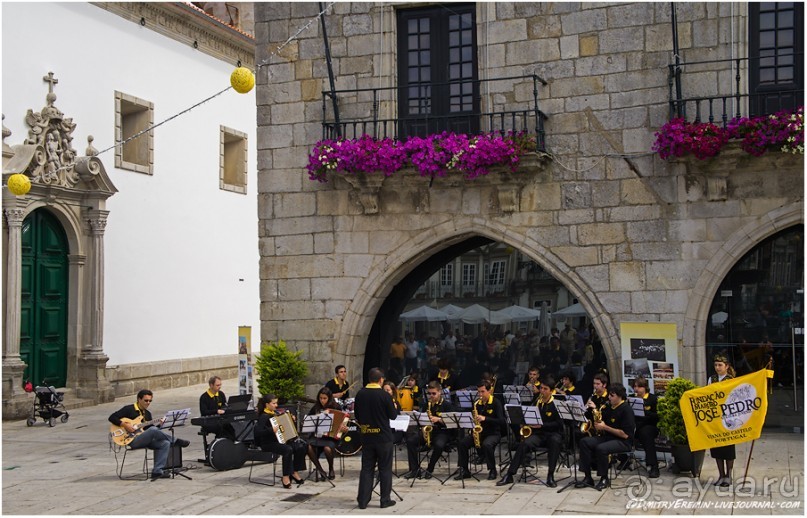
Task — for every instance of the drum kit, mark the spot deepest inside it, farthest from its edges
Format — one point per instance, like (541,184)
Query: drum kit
(350,442)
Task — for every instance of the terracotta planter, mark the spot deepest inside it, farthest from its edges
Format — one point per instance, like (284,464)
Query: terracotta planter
(687,460)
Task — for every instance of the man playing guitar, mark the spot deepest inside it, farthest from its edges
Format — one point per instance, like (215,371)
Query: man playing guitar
(135,424)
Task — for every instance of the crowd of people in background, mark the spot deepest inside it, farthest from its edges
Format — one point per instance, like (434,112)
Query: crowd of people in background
(497,352)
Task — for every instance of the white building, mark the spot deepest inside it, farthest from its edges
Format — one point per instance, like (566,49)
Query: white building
(131,269)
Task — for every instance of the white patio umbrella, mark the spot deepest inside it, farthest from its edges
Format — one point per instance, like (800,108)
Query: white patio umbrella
(423,314)
(452,311)
(575,310)
(475,314)
(516,314)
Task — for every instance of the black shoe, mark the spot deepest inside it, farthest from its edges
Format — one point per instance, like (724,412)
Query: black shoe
(388,503)
(492,475)
(427,474)
(182,443)
(164,474)
(415,473)
(298,481)
(654,472)
(506,480)
(586,482)
(362,506)
(550,481)
(331,475)
(602,484)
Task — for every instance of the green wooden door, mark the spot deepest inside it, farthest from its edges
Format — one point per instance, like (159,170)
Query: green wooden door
(43,330)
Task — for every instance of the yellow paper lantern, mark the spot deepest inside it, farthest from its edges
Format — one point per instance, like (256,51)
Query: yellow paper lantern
(19,184)
(242,79)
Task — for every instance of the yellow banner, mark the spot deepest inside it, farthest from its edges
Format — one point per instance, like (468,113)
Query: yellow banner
(725,413)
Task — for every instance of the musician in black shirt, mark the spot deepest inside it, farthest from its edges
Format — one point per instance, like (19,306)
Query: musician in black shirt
(339,384)
(647,425)
(374,410)
(548,435)
(213,402)
(266,438)
(149,437)
(490,416)
(614,434)
(324,404)
(436,405)
(567,387)
(444,376)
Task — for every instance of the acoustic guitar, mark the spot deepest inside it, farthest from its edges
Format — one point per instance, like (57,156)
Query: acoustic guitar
(121,437)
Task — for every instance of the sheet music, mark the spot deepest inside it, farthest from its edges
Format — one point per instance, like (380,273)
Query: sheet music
(400,423)
(455,420)
(175,418)
(466,398)
(571,410)
(579,399)
(637,404)
(532,415)
(512,398)
(319,424)
(421,418)
(510,388)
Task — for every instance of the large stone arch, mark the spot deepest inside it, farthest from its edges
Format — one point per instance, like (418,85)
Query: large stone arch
(732,250)
(360,314)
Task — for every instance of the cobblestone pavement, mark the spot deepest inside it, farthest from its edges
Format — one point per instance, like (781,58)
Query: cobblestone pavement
(69,469)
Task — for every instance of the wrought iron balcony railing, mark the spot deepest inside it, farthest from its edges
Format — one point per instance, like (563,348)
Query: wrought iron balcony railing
(720,107)
(356,112)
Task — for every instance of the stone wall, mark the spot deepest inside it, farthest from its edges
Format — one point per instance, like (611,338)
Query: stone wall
(130,378)
(635,238)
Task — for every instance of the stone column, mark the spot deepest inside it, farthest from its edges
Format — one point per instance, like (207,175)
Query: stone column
(92,378)
(13,366)
(94,341)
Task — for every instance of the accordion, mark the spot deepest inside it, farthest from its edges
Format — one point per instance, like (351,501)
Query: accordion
(338,418)
(286,431)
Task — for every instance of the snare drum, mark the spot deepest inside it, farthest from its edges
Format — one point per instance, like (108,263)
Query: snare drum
(350,443)
(349,404)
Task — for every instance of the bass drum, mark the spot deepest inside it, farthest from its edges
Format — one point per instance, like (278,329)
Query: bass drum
(226,454)
(350,443)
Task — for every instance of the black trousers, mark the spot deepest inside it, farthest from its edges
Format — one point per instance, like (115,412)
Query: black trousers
(646,436)
(551,441)
(293,455)
(415,440)
(598,448)
(372,454)
(489,443)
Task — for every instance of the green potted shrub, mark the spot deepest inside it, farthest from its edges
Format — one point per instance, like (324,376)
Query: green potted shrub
(280,371)
(671,424)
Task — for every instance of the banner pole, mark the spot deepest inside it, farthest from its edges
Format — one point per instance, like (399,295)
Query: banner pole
(748,463)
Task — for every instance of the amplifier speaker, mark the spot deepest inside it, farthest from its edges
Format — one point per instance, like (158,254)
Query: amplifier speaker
(174,457)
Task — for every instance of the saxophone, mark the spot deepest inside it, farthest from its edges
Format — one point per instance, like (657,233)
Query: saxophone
(596,417)
(477,431)
(427,430)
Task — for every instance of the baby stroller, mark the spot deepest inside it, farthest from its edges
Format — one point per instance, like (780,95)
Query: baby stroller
(48,404)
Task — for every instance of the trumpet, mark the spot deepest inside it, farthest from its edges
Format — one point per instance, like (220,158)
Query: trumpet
(525,431)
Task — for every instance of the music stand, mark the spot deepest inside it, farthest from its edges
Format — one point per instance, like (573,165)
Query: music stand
(519,416)
(172,419)
(318,425)
(637,405)
(421,419)
(572,412)
(466,398)
(460,421)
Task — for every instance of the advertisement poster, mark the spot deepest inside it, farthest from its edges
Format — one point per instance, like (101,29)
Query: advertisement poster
(649,349)
(245,360)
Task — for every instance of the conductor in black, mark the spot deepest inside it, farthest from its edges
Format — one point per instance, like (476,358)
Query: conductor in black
(614,434)
(374,410)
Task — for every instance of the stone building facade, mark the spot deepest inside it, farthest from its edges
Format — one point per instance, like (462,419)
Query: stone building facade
(634,237)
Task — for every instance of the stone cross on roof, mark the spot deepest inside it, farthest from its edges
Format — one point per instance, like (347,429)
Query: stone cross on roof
(50,79)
